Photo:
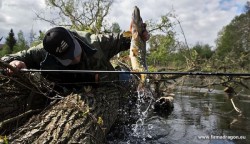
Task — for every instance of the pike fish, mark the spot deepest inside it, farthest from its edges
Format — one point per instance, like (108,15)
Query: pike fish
(138,45)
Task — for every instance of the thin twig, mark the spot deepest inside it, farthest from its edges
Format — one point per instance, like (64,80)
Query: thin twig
(17,117)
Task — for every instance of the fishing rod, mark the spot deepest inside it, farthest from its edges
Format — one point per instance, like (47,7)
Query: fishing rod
(144,72)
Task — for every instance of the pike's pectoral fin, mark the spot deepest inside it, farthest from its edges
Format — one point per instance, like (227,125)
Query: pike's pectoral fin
(135,51)
(127,34)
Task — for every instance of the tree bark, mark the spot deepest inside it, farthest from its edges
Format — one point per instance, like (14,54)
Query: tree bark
(29,114)
(77,118)
(18,102)
(31,111)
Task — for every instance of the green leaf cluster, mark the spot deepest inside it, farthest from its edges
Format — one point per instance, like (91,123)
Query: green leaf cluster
(79,14)
(233,43)
(13,45)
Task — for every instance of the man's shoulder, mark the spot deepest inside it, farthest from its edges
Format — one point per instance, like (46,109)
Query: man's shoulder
(91,37)
(88,36)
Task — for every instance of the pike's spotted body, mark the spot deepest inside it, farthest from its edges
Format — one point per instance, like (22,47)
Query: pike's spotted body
(138,45)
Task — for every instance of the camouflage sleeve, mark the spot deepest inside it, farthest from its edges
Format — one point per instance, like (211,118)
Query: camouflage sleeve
(113,44)
(31,57)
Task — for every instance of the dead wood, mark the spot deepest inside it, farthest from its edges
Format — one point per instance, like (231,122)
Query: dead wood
(77,118)
(32,112)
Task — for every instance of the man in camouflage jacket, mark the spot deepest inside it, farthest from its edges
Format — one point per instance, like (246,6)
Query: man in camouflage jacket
(63,49)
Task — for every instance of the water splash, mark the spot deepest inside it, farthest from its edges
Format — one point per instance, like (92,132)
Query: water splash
(140,128)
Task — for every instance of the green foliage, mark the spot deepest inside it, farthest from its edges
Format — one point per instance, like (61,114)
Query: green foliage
(31,36)
(11,41)
(39,39)
(115,28)
(4,140)
(100,121)
(163,25)
(233,43)
(161,44)
(164,50)
(86,111)
(161,48)
(203,51)
(10,44)
(21,43)
(5,50)
(80,15)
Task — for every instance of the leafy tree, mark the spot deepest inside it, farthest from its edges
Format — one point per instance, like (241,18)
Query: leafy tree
(32,35)
(233,43)
(39,39)
(79,14)
(4,50)
(161,48)
(172,53)
(17,45)
(21,43)
(115,28)
(163,25)
(184,58)
(10,41)
(204,51)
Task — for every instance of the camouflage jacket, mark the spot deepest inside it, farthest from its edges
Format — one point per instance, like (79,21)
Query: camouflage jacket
(106,47)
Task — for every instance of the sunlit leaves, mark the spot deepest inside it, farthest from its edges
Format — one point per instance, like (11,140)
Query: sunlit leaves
(163,25)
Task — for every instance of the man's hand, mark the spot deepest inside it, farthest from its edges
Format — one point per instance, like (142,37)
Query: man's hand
(16,64)
(145,34)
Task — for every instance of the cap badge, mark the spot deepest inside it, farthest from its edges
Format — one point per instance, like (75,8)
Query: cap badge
(63,47)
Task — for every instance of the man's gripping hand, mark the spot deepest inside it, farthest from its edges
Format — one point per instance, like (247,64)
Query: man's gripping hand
(145,33)
(16,64)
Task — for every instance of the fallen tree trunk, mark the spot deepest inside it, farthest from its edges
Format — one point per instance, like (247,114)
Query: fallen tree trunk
(19,100)
(77,118)
(29,113)
(85,117)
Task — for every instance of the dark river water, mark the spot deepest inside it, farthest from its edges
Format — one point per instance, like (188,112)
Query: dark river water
(199,116)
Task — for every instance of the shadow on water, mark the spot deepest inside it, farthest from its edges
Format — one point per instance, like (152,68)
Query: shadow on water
(199,116)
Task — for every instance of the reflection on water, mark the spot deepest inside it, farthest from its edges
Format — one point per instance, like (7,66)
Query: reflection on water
(198,117)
